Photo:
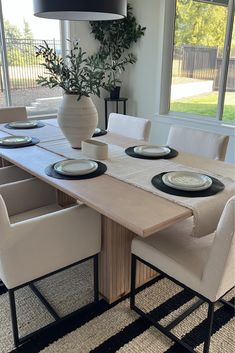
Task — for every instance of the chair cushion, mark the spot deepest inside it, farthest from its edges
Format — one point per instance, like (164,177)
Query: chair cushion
(34,213)
(199,142)
(176,253)
(129,126)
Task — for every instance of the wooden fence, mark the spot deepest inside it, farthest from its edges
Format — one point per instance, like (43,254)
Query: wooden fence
(203,63)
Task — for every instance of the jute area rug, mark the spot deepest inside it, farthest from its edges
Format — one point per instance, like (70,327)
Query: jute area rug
(110,328)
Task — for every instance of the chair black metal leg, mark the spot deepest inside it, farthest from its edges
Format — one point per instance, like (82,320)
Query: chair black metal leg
(14,317)
(20,340)
(186,313)
(166,330)
(133,281)
(44,301)
(209,327)
(228,304)
(96,278)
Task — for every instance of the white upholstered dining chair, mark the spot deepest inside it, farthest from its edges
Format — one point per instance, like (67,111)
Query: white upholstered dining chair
(199,142)
(129,126)
(205,266)
(39,238)
(12,114)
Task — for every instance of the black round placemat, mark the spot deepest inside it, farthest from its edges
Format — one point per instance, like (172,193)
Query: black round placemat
(101,133)
(50,171)
(216,187)
(38,126)
(130,151)
(34,141)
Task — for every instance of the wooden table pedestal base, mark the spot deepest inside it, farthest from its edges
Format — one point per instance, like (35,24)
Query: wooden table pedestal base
(115,262)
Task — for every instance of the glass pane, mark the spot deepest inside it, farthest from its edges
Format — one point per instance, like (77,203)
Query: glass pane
(24,31)
(199,39)
(2,87)
(229,103)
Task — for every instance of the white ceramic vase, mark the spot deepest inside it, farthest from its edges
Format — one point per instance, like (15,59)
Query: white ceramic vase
(77,119)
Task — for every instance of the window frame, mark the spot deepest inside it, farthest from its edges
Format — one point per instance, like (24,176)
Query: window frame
(6,77)
(166,69)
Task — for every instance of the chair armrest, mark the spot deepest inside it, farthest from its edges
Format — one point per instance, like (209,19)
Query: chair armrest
(12,174)
(54,223)
(26,195)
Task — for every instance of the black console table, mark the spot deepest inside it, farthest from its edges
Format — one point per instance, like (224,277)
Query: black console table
(106,100)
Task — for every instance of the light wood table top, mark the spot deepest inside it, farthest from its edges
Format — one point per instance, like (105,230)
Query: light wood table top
(138,210)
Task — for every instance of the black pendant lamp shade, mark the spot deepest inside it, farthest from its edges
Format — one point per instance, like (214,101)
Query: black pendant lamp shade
(81,10)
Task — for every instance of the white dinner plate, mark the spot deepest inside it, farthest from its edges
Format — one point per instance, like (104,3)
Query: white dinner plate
(189,181)
(15,140)
(97,130)
(24,124)
(152,150)
(75,167)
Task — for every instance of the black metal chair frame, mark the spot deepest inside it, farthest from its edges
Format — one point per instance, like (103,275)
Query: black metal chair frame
(166,330)
(20,340)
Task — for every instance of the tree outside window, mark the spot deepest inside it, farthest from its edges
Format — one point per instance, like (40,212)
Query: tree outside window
(200,29)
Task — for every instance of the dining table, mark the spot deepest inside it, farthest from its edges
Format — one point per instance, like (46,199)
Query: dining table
(127,210)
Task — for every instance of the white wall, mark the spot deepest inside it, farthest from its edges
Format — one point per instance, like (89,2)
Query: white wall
(141,80)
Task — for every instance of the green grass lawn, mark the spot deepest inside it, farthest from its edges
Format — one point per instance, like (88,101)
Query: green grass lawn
(206,105)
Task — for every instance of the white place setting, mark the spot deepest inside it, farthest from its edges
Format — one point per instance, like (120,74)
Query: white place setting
(75,167)
(15,140)
(188,181)
(149,151)
(24,124)
(152,150)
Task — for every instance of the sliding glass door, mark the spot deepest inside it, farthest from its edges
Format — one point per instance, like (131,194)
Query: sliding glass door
(19,67)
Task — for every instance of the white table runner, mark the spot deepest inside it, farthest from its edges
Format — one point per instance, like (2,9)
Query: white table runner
(139,172)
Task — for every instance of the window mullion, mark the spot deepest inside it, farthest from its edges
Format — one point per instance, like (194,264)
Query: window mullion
(225,62)
(6,76)
(167,56)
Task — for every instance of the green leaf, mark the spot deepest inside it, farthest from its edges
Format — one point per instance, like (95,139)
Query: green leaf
(79,73)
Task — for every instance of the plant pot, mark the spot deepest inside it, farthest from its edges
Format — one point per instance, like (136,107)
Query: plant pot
(77,119)
(115,93)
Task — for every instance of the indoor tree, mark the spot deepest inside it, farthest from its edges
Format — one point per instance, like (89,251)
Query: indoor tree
(116,39)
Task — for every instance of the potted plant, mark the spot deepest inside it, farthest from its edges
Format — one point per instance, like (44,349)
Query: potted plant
(116,38)
(79,76)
